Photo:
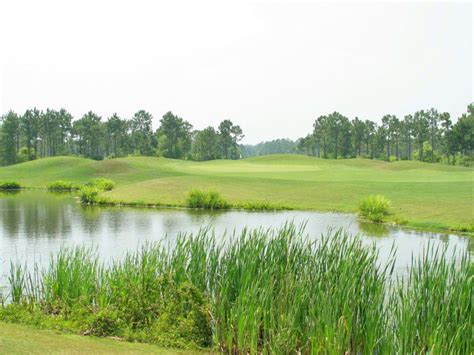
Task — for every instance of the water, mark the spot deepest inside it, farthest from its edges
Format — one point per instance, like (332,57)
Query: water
(36,224)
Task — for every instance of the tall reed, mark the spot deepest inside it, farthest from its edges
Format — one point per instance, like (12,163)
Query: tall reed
(270,291)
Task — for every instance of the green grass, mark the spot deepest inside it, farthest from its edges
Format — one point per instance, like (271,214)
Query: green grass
(264,291)
(22,339)
(374,208)
(422,194)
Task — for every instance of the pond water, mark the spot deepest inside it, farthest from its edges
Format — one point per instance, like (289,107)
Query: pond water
(35,224)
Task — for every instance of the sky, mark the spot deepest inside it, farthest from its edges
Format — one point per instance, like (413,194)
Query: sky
(272,67)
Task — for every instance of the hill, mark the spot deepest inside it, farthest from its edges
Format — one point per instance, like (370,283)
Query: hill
(423,195)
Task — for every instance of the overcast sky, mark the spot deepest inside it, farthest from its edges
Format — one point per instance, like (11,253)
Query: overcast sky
(271,67)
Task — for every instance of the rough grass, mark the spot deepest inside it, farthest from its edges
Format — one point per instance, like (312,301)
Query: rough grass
(264,291)
(422,194)
(375,208)
(22,339)
(10,185)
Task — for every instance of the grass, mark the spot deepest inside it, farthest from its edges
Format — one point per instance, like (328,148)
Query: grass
(270,291)
(374,208)
(22,339)
(61,185)
(432,196)
(10,185)
(206,199)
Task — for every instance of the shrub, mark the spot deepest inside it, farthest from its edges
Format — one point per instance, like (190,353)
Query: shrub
(102,184)
(206,199)
(61,185)
(10,185)
(375,208)
(89,194)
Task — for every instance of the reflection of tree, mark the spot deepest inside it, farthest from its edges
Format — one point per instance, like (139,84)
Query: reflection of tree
(34,214)
(90,218)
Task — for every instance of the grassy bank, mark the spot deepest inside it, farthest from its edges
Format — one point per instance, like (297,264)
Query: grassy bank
(21,339)
(264,291)
(423,195)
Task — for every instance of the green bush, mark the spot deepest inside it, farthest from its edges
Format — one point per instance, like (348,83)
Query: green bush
(374,208)
(61,185)
(206,199)
(102,184)
(10,185)
(89,195)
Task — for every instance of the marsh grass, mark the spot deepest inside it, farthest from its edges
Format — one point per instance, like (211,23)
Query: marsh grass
(374,208)
(61,185)
(263,291)
(102,184)
(210,199)
(10,185)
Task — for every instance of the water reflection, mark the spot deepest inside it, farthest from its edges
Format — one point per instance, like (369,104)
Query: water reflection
(35,224)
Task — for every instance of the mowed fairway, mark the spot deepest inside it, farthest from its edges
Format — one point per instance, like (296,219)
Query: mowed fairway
(423,195)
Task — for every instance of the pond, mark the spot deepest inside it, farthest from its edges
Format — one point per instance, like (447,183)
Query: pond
(36,224)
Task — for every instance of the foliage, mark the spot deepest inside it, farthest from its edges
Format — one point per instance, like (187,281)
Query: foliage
(206,199)
(61,185)
(374,208)
(89,195)
(101,184)
(10,185)
(276,146)
(270,291)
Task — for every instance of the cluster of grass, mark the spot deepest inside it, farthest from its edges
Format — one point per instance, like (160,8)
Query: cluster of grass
(10,185)
(261,206)
(102,184)
(61,185)
(89,193)
(210,199)
(268,291)
(374,208)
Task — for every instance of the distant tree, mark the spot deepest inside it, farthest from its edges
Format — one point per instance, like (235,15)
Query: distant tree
(174,137)
(230,136)
(142,133)
(420,128)
(206,144)
(89,132)
(10,133)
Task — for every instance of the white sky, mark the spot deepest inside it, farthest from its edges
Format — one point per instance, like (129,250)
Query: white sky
(272,67)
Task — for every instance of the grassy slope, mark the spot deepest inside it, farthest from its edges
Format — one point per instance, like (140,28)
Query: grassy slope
(20,339)
(426,195)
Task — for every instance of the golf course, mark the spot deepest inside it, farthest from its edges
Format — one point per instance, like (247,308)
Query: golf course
(423,195)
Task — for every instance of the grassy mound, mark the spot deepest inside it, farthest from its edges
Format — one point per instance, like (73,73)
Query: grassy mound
(429,195)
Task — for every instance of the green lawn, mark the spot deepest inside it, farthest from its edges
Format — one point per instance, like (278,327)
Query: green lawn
(21,339)
(423,194)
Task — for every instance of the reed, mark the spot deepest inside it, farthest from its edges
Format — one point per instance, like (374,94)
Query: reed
(61,185)
(10,185)
(206,199)
(374,208)
(263,291)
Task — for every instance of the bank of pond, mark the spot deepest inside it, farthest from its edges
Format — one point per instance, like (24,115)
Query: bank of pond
(262,290)
(247,283)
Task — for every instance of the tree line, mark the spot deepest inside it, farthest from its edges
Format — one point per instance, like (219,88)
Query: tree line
(426,135)
(37,134)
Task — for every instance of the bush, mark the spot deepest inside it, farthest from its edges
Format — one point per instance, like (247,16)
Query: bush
(374,208)
(10,185)
(102,184)
(61,185)
(89,195)
(206,199)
